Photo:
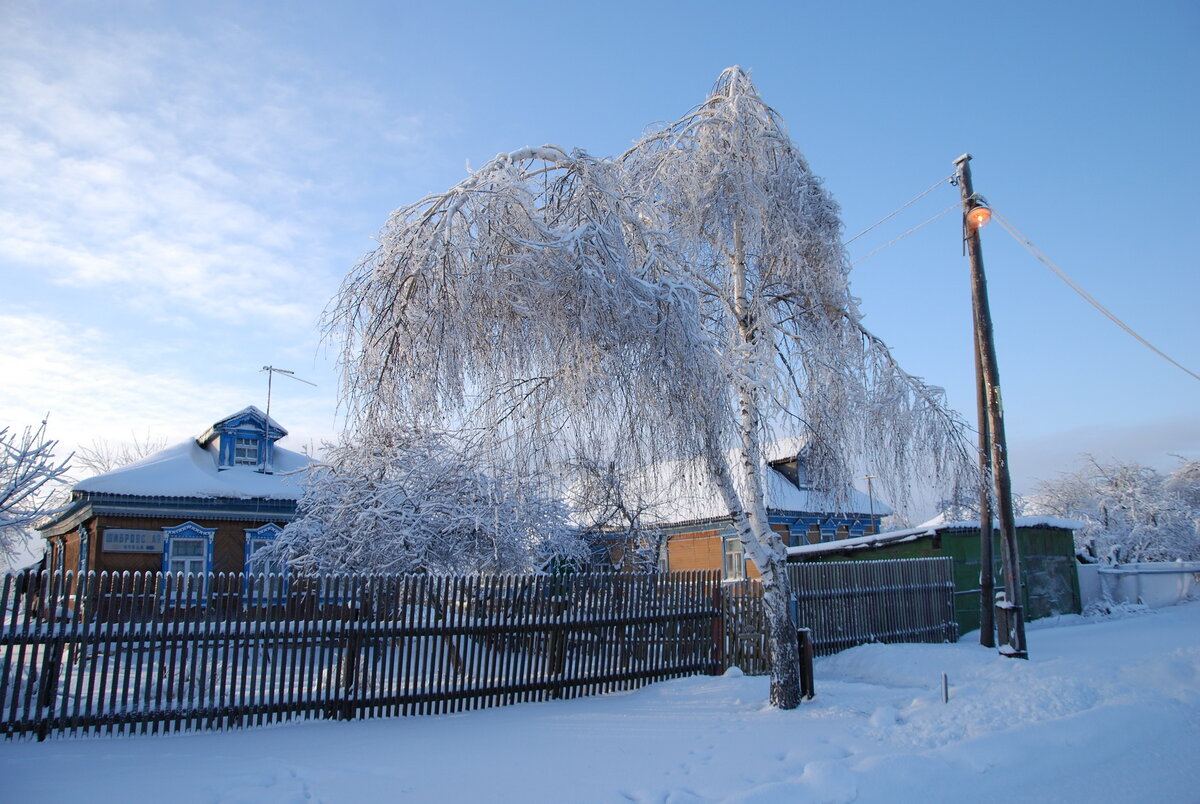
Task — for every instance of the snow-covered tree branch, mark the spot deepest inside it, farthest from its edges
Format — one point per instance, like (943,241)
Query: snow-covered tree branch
(28,472)
(614,509)
(688,298)
(1130,512)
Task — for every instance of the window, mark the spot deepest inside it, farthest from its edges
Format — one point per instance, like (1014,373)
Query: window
(186,555)
(734,565)
(259,565)
(266,582)
(188,548)
(245,452)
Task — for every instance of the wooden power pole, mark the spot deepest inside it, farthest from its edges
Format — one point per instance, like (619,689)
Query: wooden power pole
(987,582)
(1012,640)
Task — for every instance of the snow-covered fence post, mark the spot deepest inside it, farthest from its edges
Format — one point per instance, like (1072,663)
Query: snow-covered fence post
(718,630)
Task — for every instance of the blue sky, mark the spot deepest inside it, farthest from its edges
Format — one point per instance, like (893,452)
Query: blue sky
(183,185)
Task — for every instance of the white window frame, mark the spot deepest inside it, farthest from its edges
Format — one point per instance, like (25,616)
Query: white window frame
(184,534)
(240,443)
(733,559)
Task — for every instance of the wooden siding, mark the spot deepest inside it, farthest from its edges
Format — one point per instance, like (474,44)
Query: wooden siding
(695,551)
(229,543)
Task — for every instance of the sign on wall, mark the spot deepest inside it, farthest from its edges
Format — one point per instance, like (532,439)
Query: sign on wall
(121,540)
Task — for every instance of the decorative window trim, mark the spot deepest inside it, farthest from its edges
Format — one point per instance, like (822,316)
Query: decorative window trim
(188,530)
(84,544)
(275,595)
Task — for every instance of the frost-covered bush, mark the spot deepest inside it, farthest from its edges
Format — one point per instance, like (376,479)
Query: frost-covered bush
(1130,512)
(28,474)
(423,502)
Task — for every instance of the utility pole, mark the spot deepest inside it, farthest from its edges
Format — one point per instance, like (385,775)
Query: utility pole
(987,581)
(975,214)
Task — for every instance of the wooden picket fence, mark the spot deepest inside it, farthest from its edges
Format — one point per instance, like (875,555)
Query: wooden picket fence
(123,653)
(150,653)
(846,603)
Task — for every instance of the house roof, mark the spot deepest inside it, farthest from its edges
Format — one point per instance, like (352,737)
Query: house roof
(680,491)
(190,470)
(930,528)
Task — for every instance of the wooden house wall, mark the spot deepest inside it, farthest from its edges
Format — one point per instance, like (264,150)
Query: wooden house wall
(229,544)
(698,546)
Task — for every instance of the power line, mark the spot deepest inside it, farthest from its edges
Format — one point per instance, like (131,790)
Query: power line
(906,234)
(1061,274)
(900,209)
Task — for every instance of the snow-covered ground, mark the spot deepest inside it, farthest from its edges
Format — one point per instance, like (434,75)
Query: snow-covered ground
(1107,710)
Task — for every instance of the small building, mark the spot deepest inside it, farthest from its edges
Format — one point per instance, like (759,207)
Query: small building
(1048,564)
(697,529)
(205,505)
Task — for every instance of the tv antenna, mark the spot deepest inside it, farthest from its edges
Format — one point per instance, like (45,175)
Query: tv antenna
(271,372)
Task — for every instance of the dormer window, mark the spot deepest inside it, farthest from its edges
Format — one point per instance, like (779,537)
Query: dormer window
(245,452)
(246,438)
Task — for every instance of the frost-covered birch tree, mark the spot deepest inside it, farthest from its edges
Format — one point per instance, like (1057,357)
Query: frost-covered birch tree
(686,299)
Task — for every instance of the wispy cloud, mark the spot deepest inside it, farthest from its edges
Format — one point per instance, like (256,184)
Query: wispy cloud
(149,164)
(94,388)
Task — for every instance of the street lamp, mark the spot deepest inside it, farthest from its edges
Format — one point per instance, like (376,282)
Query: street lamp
(993,443)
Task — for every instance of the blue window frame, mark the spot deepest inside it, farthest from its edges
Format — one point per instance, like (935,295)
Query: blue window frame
(265,579)
(83,550)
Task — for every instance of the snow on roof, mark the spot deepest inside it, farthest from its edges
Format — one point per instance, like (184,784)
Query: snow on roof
(189,470)
(933,526)
(939,523)
(687,493)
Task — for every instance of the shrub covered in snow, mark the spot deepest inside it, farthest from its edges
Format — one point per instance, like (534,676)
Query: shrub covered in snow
(423,502)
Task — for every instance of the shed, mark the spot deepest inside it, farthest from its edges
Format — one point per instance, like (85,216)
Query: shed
(1046,544)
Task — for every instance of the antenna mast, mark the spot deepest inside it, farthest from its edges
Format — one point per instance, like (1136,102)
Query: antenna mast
(271,372)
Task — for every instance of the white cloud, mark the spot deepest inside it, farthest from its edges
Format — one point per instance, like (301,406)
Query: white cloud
(151,165)
(94,387)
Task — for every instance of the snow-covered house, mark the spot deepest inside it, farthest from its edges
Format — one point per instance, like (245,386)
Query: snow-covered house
(679,501)
(204,505)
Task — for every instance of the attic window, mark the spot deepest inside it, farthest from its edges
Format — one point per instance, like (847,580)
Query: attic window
(245,452)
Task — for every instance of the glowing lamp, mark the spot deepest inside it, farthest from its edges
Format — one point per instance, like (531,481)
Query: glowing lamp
(978,217)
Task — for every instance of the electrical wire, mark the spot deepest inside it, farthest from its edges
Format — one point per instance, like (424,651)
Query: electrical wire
(1061,274)
(893,241)
(900,209)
